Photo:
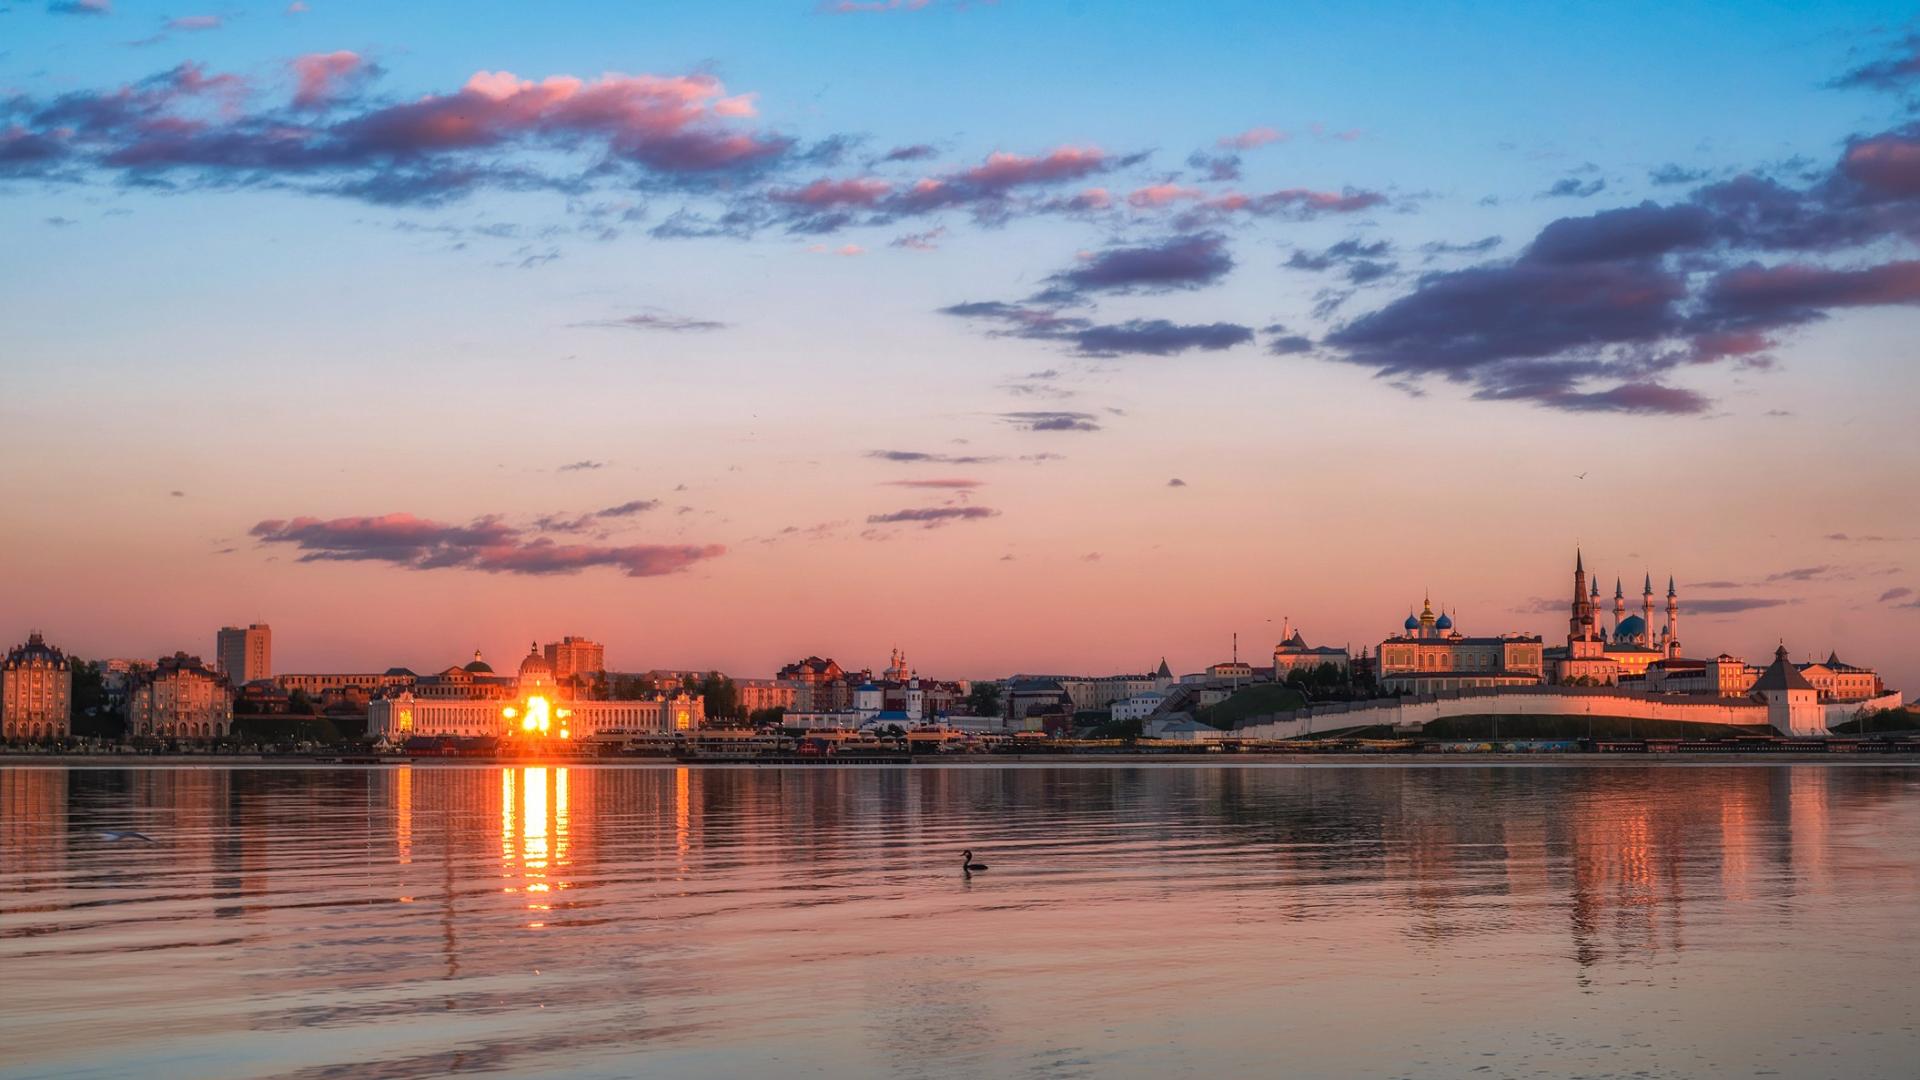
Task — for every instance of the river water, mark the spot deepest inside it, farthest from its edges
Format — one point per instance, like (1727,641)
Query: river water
(1156,921)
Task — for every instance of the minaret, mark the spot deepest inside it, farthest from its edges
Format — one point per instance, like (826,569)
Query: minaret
(1593,612)
(1619,606)
(1646,608)
(1673,619)
(1576,625)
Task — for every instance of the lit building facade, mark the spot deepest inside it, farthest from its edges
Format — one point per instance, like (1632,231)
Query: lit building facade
(244,653)
(1431,655)
(532,704)
(1294,654)
(1836,680)
(36,692)
(180,698)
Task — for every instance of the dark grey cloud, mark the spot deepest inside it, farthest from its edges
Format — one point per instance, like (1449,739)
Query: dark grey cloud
(1178,262)
(1572,187)
(1899,593)
(1158,337)
(1896,71)
(1802,573)
(1734,605)
(487,544)
(656,321)
(1139,337)
(1598,310)
(1052,421)
(1468,247)
(932,516)
(584,465)
(1670,174)
(918,457)
(951,483)
(1176,482)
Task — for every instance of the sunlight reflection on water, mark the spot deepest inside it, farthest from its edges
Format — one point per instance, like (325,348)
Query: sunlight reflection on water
(599,921)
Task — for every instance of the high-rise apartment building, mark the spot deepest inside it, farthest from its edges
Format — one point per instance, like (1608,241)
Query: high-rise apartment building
(243,655)
(571,656)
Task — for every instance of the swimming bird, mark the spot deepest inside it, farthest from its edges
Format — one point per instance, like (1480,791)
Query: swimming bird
(126,834)
(967,863)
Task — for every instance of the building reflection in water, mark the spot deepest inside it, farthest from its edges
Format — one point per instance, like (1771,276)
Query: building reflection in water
(536,832)
(688,903)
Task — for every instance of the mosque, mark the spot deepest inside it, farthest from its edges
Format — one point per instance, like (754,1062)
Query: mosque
(1592,656)
(1432,655)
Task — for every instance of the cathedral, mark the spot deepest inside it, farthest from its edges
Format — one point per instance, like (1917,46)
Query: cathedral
(1594,657)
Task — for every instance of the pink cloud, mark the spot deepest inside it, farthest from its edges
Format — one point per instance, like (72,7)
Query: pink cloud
(827,193)
(194,22)
(1161,195)
(320,77)
(1251,138)
(660,121)
(1003,170)
(846,250)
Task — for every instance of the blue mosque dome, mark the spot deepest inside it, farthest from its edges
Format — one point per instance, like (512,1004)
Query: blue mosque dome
(1412,623)
(1631,627)
(1445,623)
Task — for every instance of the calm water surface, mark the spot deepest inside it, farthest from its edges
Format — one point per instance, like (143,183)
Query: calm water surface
(1145,921)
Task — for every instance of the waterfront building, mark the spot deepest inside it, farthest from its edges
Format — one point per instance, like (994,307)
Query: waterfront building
(1140,706)
(474,680)
(820,685)
(36,691)
(1838,681)
(531,703)
(321,686)
(1431,655)
(759,695)
(244,654)
(180,698)
(1721,676)
(576,658)
(1294,654)
(1091,693)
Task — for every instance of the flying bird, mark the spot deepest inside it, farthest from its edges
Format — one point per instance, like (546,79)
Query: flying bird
(1582,476)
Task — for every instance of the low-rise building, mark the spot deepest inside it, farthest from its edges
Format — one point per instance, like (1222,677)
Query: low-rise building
(36,691)
(1838,681)
(1294,654)
(1140,706)
(180,698)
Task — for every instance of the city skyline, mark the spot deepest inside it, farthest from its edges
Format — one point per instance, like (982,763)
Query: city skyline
(809,331)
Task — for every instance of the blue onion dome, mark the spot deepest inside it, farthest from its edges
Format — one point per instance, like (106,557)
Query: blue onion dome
(1412,623)
(1630,627)
(1445,623)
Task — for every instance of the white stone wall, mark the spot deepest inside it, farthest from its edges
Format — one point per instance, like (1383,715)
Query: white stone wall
(1413,714)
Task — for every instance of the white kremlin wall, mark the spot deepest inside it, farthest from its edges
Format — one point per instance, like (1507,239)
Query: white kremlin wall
(1411,713)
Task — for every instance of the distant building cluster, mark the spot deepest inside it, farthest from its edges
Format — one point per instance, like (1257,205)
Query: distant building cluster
(563,690)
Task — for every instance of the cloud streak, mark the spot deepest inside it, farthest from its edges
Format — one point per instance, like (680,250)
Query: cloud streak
(486,544)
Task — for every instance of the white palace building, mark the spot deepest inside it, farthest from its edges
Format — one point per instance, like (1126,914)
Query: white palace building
(532,705)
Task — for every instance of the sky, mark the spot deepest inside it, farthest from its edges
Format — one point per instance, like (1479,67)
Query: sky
(1024,336)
